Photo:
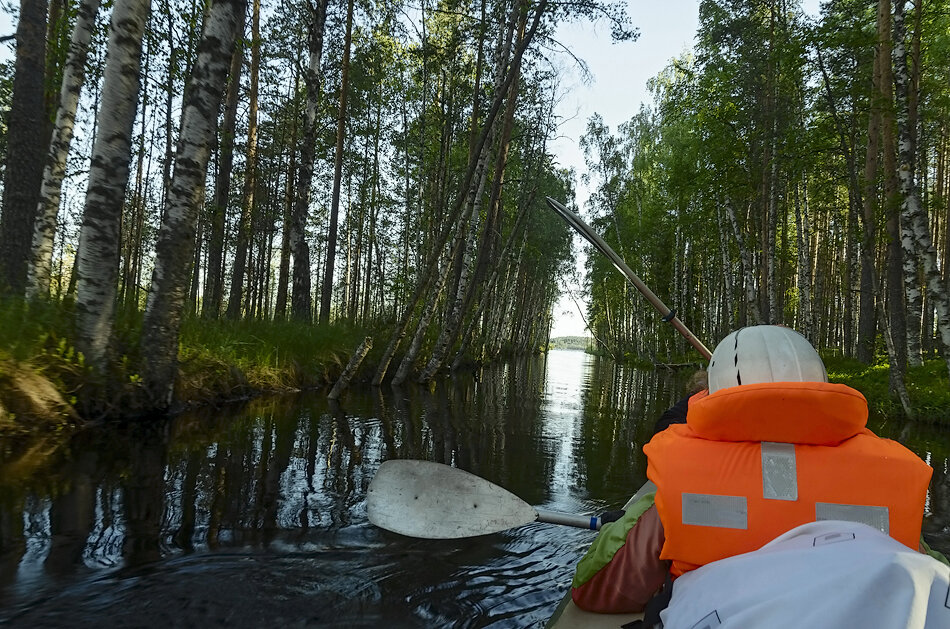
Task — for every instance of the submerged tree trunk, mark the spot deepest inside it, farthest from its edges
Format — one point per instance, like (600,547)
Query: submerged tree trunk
(108,177)
(24,158)
(175,248)
(44,231)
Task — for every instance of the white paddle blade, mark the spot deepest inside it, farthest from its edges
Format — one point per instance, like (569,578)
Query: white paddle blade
(435,501)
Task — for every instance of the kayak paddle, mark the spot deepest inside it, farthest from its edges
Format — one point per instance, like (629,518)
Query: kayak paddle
(669,316)
(435,501)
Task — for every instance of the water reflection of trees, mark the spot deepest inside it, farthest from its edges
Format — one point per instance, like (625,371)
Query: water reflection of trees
(621,405)
(295,470)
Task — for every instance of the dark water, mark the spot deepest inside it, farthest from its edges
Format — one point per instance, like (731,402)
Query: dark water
(256,516)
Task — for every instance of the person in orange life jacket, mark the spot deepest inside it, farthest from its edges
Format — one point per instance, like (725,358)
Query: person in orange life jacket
(771,445)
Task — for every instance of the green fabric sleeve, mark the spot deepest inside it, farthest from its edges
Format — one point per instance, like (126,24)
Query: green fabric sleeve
(611,538)
(933,553)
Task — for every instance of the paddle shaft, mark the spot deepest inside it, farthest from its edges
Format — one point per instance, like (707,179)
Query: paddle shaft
(591,522)
(594,238)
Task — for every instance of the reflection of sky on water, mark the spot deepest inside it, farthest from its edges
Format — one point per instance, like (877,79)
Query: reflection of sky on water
(261,510)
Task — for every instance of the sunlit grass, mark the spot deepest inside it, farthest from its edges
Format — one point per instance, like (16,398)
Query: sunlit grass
(236,356)
(219,360)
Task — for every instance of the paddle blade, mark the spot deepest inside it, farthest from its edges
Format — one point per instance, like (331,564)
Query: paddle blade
(435,501)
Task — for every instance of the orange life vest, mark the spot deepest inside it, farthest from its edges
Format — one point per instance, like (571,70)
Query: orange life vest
(755,461)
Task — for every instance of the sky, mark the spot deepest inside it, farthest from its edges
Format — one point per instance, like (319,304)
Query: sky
(619,86)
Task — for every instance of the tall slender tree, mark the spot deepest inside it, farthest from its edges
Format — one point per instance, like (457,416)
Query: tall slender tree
(244,235)
(23,170)
(301,294)
(38,272)
(326,291)
(98,256)
(176,242)
(214,279)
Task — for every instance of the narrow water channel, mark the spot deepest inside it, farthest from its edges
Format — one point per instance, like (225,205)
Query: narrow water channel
(255,516)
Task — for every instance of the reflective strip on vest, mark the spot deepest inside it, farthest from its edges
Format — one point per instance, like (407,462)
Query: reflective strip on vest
(779,478)
(877,517)
(727,512)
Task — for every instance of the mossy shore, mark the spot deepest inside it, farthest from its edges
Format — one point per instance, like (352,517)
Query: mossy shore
(927,386)
(45,383)
(44,380)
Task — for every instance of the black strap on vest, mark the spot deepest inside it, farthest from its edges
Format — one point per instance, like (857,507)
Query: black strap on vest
(651,613)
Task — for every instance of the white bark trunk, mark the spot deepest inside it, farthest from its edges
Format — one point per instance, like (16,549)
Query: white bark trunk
(751,304)
(803,232)
(300,295)
(917,230)
(98,257)
(44,229)
(176,241)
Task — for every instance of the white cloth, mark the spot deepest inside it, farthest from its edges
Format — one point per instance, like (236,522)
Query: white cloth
(821,575)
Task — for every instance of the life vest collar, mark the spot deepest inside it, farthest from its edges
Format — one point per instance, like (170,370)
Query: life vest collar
(816,413)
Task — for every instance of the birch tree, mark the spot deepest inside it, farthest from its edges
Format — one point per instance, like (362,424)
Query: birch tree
(430,270)
(326,292)
(176,242)
(244,236)
(98,256)
(214,280)
(38,273)
(916,237)
(301,292)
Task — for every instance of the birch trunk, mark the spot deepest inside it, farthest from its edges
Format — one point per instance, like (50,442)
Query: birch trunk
(283,273)
(326,292)
(452,325)
(44,229)
(248,209)
(98,256)
(909,231)
(802,230)
(916,234)
(173,255)
(751,303)
(728,297)
(214,281)
(897,321)
(301,293)
(483,302)
(24,159)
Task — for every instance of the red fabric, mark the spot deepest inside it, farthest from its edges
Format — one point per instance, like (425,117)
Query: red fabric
(634,574)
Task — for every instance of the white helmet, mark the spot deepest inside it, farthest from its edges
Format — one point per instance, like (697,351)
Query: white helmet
(764,353)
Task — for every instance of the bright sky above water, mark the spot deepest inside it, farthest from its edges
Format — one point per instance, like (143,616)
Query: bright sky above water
(619,86)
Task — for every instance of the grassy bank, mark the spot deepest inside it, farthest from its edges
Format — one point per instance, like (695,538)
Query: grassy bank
(43,378)
(927,386)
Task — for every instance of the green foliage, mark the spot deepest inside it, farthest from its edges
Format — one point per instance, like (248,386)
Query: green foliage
(926,385)
(570,342)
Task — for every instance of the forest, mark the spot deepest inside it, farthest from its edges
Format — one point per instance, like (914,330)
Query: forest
(376,166)
(334,170)
(790,170)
